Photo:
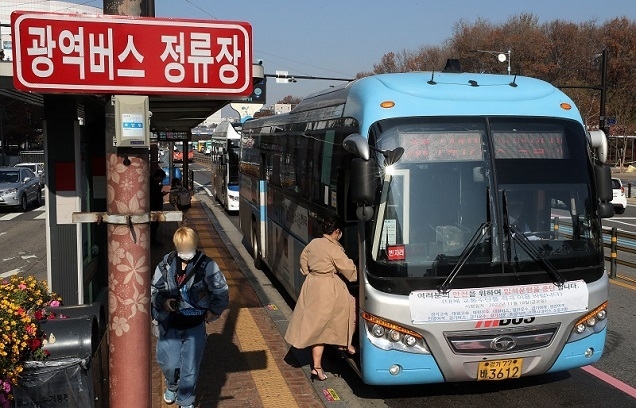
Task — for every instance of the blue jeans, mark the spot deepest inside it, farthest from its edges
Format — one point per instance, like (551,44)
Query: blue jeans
(179,354)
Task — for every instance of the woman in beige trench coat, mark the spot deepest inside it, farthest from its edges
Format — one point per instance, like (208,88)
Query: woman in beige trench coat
(325,311)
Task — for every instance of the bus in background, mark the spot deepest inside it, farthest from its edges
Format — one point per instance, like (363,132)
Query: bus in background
(177,153)
(200,146)
(224,154)
(472,205)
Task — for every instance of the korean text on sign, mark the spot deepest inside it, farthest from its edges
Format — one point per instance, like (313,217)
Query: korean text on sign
(74,53)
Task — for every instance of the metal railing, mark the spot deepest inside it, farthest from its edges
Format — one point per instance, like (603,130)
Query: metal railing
(613,239)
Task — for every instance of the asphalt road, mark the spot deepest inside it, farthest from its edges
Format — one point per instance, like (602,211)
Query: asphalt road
(594,387)
(22,243)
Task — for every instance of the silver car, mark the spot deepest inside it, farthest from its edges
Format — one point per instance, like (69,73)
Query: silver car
(19,187)
(36,168)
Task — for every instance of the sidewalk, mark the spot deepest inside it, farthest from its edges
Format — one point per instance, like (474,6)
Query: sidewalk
(244,361)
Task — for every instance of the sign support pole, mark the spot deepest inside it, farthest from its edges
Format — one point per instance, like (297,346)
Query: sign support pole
(129,268)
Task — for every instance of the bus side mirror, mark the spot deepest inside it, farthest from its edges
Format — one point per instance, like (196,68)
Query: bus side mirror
(364,186)
(605,210)
(603,175)
(357,145)
(598,141)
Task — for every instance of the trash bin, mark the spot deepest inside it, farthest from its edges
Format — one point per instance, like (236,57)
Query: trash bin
(66,378)
(99,363)
(94,309)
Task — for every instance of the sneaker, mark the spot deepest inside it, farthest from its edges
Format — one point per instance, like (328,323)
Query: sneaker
(169,396)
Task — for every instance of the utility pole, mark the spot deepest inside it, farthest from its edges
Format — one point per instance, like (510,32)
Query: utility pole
(129,265)
(602,119)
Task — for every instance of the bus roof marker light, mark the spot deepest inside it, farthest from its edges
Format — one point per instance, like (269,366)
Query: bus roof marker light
(387,104)
(565,106)
(473,83)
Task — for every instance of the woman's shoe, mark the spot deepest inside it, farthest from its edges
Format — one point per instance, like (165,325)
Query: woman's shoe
(315,374)
(349,350)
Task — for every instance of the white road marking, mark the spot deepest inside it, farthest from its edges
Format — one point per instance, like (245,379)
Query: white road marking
(624,223)
(8,259)
(2,233)
(10,216)
(10,273)
(28,256)
(42,208)
(204,187)
(41,216)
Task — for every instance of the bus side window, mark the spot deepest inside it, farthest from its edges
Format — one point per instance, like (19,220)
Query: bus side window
(273,167)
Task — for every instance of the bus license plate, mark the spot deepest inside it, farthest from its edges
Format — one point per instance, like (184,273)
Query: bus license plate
(499,369)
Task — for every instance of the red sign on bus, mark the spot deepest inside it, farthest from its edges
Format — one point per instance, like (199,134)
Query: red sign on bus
(56,53)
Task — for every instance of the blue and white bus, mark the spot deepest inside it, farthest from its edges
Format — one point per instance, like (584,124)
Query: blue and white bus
(224,154)
(473,206)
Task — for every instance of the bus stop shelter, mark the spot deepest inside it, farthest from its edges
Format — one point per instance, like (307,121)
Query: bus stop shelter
(85,72)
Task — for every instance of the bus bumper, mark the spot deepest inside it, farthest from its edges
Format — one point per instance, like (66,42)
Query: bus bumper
(414,368)
(573,354)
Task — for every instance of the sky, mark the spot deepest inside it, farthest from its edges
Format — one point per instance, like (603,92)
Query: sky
(338,38)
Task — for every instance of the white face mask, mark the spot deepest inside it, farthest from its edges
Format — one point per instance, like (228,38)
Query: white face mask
(186,256)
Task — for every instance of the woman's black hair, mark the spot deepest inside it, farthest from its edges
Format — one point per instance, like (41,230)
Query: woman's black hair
(330,224)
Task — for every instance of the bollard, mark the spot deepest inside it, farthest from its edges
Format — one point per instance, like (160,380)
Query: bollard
(613,246)
(629,190)
(556,227)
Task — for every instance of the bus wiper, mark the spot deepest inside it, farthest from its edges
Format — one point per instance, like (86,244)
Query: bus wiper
(527,245)
(515,235)
(463,257)
(506,226)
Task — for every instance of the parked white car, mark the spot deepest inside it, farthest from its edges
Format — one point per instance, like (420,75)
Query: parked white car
(620,199)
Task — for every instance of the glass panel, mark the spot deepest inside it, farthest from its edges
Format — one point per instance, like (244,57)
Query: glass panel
(433,200)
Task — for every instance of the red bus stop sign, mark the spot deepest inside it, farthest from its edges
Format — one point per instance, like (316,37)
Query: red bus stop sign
(59,53)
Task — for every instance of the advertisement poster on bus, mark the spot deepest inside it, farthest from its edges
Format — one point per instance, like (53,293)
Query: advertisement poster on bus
(505,302)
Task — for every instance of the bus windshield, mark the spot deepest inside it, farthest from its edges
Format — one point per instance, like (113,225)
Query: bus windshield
(515,175)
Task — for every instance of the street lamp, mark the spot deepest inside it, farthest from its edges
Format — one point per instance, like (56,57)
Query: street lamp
(502,56)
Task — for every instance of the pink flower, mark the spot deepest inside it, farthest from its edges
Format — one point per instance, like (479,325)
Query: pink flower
(55,303)
(6,387)
(22,286)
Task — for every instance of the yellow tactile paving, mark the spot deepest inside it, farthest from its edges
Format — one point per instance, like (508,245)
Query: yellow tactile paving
(270,383)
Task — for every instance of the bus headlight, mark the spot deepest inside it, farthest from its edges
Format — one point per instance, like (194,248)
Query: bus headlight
(409,340)
(390,336)
(590,323)
(377,330)
(394,335)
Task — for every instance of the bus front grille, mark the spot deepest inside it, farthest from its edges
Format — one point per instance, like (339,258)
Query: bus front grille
(501,340)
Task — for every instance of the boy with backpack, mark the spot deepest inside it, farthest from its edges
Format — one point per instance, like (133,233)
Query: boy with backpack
(188,290)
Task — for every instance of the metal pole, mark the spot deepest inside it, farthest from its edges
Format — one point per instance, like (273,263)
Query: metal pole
(2,142)
(129,268)
(602,122)
(185,176)
(509,53)
(613,253)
